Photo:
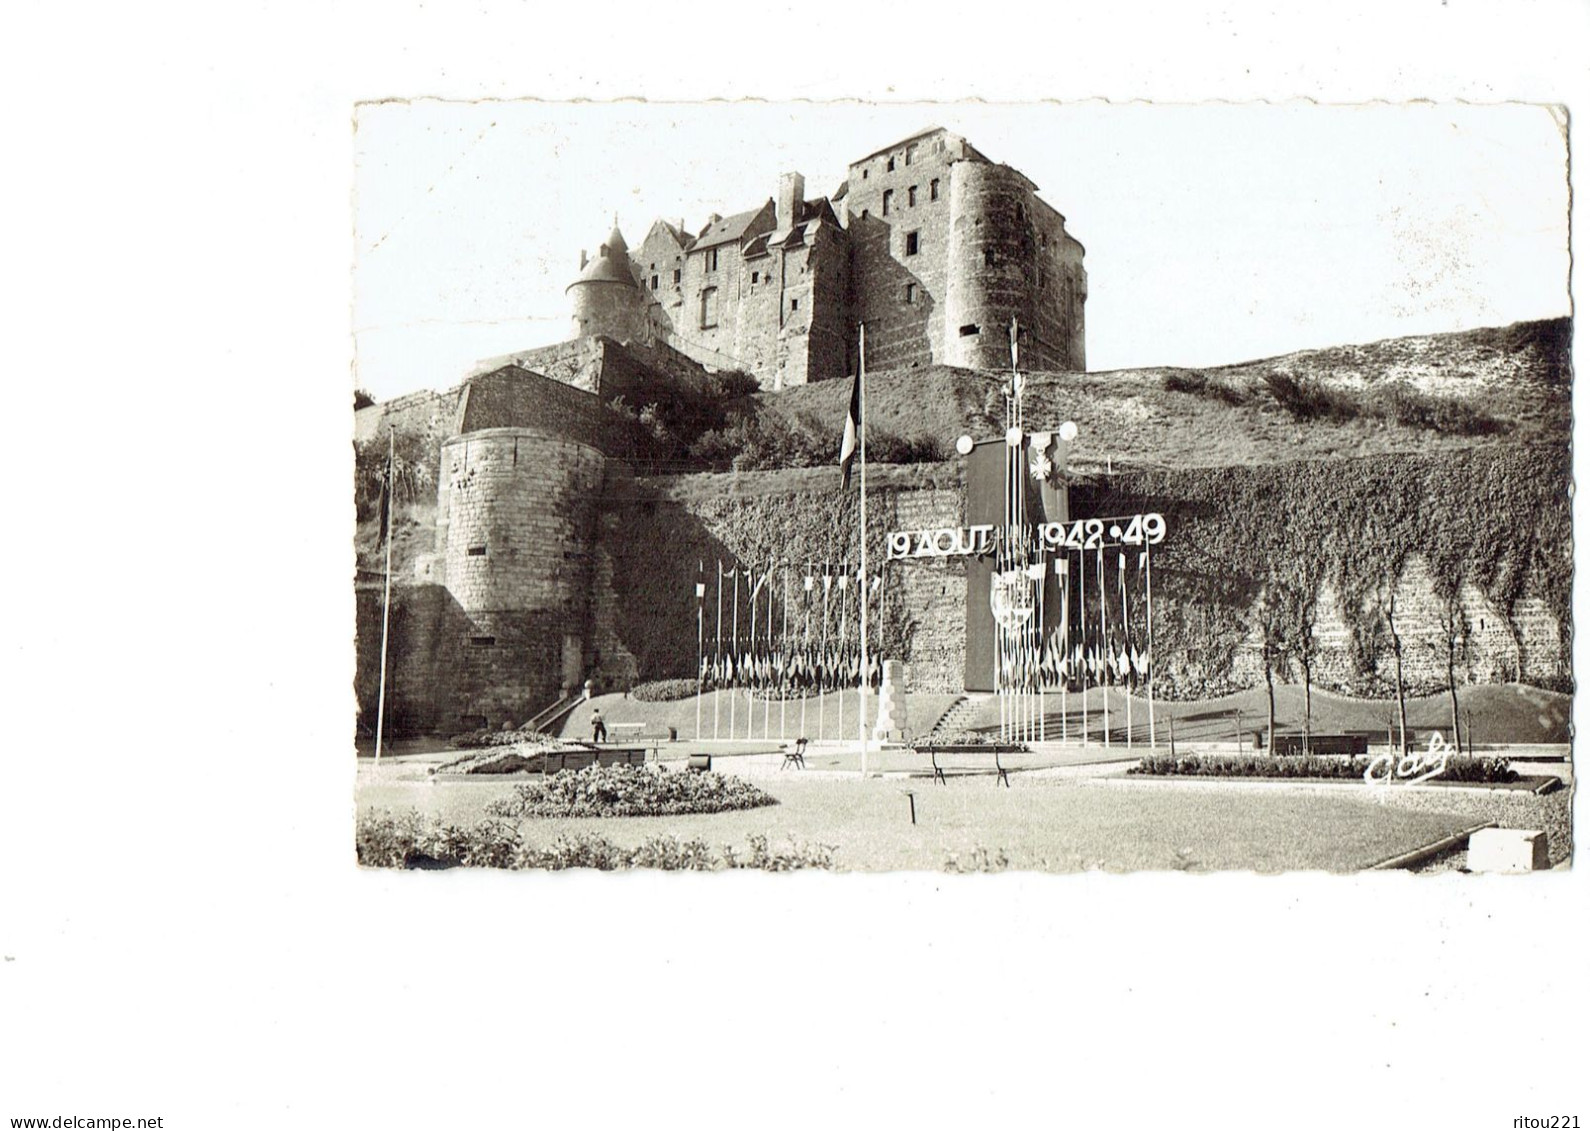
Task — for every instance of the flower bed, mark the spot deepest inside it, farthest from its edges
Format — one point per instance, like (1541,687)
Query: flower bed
(1316,766)
(504,752)
(628,791)
(389,840)
(664,690)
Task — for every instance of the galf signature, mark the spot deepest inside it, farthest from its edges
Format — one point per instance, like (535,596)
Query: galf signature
(1413,767)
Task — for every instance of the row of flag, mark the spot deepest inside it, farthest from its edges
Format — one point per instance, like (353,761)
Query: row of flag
(789,672)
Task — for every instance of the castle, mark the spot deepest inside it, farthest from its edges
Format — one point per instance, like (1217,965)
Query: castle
(549,563)
(931,245)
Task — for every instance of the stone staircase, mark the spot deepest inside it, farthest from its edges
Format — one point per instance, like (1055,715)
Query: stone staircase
(961,712)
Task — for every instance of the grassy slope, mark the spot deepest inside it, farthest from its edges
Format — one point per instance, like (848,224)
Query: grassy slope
(1508,713)
(838,715)
(1518,374)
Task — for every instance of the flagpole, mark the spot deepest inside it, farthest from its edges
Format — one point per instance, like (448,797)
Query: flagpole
(1126,641)
(861,437)
(1104,643)
(717,654)
(734,647)
(701,637)
(386,594)
(1065,642)
(1082,634)
(1148,604)
(768,668)
(783,674)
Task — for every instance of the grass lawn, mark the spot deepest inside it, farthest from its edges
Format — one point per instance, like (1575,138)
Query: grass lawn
(1047,824)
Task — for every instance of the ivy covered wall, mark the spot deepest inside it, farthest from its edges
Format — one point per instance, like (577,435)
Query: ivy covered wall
(1356,555)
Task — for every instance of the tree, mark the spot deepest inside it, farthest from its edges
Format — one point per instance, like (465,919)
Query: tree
(1453,646)
(1388,606)
(1269,615)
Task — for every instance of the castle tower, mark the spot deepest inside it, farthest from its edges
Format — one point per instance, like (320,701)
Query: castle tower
(606,298)
(515,527)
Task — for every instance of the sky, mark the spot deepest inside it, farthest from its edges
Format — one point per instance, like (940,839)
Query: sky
(1215,232)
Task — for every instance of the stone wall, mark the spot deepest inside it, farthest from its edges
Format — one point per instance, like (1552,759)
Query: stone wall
(515,529)
(1009,257)
(904,327)
(1226,526)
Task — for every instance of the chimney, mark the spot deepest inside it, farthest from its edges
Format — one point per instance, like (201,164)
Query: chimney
(791,193)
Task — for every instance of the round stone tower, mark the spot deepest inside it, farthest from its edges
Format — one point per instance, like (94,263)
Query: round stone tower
(606,298)
(514,530)
(990,263)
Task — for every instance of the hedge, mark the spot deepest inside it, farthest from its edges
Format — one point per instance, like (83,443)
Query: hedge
(385,839)
(1459,768)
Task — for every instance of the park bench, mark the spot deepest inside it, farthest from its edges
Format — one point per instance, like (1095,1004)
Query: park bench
(995,749)
(1351,744)
(795,756)
(644,731)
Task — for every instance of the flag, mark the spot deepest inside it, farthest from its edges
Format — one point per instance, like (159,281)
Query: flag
(852,439)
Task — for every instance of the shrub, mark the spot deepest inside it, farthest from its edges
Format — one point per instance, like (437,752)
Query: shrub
(663,690)
(1200,384)
(1308,399)
(384,839)
(628,791)
(1460,768)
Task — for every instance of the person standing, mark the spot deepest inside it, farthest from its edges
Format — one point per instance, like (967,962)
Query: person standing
(598,727)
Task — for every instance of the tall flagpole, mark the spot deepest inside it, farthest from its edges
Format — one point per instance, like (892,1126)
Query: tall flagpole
(1082,634)
(386,595)
(717,654)
(768,671)
(1126,645)
(734,646)
(1148,605)
(1104,644)
(701,637)
(861,428)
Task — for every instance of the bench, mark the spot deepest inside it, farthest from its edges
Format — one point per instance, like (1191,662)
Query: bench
(795,756)
(644,730)
(1351,744)
(996,749)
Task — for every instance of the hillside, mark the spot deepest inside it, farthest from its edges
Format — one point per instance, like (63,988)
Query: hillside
(1404,395)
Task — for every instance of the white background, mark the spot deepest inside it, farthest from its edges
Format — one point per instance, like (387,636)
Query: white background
(182,930)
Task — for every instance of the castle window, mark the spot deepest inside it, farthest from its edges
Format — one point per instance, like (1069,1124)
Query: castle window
(891,164)
(676,276)
(709,308)
(756,277)
(712,259)
(988,257)
(970,330)
(888,199)
(910,197)
(483,641)
(866,213)
(933,189)
(910,153)
(912,244)
(864,174)
(654,282)
(477,551)
(910,292)
(794,304)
